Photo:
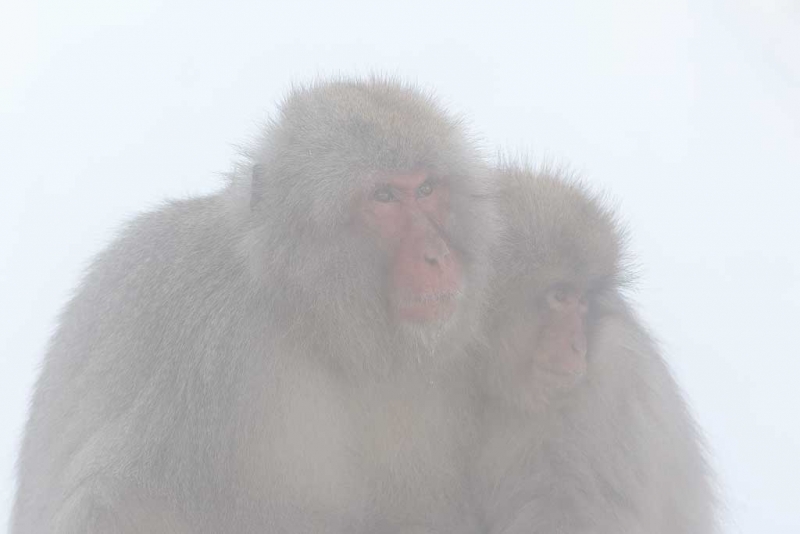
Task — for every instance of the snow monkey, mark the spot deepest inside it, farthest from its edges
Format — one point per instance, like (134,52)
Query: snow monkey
(585,430)
(284,355)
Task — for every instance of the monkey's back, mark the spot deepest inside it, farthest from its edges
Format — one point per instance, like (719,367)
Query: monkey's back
(126,379)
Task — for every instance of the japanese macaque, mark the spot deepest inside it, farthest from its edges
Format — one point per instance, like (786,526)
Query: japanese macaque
(585,429)
(286,355)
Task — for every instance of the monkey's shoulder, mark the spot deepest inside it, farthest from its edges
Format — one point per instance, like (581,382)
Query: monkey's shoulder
(168,273)
(179,231)
(163,252)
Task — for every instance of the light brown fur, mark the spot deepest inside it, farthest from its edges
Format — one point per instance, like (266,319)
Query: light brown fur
(617,452)
(229,361)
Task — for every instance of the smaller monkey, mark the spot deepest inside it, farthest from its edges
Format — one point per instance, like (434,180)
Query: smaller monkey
(585,428)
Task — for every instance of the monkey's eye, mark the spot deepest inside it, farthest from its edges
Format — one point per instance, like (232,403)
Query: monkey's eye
(425,189)
(383,194)
(558,296)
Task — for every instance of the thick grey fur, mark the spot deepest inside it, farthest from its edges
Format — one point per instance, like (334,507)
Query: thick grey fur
(618,453)
(228,363)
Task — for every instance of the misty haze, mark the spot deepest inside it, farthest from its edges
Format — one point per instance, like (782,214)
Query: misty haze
(416,268)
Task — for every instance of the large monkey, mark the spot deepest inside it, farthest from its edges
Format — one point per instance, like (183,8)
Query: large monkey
(285,355)
(585,429)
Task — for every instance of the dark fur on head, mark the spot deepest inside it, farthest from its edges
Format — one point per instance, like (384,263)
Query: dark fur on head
(329,142)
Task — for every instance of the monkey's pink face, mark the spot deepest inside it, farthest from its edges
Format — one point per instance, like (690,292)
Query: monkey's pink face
(562,343)
(407,213)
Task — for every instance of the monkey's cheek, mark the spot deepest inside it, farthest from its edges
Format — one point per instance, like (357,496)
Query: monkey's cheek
(564,383)
(556,380)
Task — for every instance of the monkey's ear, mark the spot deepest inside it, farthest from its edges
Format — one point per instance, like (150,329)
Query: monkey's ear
(256,185)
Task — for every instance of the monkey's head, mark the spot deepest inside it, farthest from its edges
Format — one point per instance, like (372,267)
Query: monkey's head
(559,273)
(369,219)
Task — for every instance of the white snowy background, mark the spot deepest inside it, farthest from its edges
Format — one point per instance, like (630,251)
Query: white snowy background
(688,112)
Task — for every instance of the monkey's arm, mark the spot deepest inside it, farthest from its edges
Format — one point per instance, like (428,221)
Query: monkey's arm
(108,427)
(622,454)
(87,512)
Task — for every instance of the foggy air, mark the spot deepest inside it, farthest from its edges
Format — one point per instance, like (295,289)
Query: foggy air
(320,268)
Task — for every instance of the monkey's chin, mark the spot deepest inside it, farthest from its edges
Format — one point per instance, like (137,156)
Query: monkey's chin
(541,391)
(426,313)
(556,383)
(429,308)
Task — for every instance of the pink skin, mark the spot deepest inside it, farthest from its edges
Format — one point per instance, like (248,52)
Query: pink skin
(562,346)
(407,212)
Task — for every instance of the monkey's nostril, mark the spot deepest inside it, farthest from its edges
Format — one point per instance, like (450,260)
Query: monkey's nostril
(431,260)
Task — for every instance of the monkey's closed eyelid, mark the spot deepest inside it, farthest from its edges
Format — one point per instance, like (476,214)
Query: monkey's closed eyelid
(558,292)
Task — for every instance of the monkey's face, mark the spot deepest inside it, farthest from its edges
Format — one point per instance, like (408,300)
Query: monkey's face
(371,219)
(406,214)
(561,344)
(543,344)
(559,264)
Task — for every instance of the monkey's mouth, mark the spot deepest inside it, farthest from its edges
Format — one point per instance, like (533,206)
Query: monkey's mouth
(428,306)
(556,381)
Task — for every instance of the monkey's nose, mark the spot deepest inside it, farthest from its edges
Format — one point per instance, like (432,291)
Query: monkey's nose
(431,260)
(579,345)
(435,251)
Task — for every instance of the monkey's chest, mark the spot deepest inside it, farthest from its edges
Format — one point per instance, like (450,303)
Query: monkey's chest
(394,453)
(412,452)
